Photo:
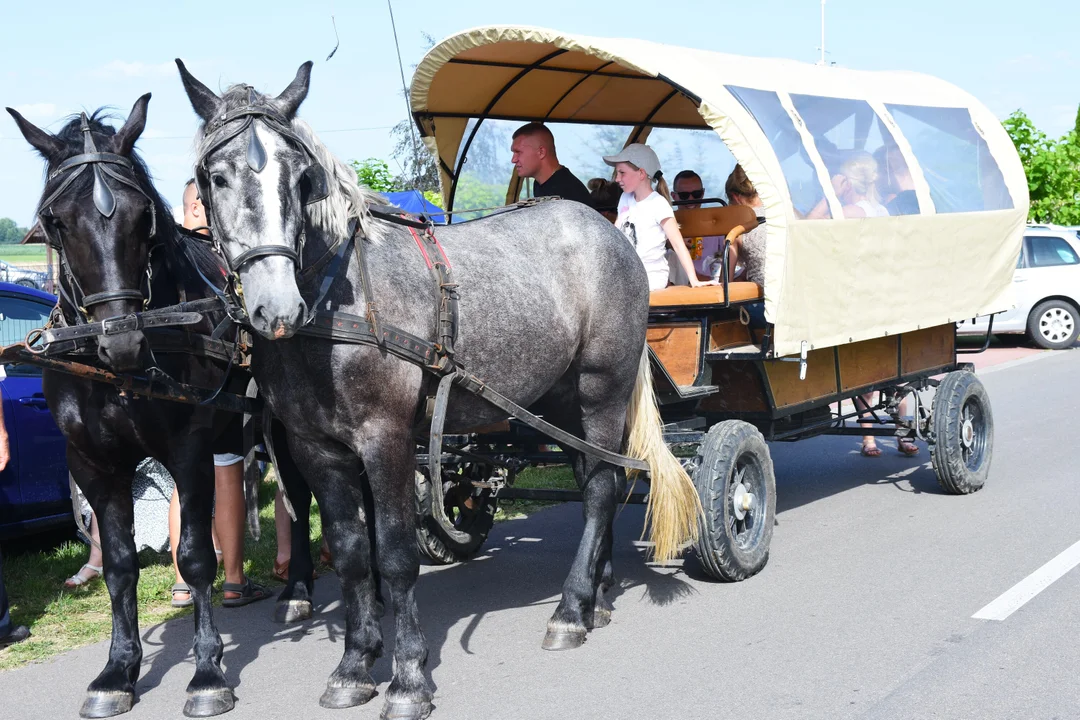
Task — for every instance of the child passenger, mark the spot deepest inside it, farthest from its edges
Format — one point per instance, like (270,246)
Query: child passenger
(645,214)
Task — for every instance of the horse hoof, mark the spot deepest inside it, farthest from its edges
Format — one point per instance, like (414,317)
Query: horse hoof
(600,618)
(563,639)
(106,704)
(337,698)
(290,611)
(405,710)
(207,703)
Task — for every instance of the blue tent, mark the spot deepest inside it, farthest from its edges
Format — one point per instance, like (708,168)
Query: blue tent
(414,201)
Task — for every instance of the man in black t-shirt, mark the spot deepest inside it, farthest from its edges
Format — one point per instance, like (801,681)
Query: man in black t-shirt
(533,154)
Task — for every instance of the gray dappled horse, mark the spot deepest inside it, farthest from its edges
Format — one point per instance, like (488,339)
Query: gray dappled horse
(553,311)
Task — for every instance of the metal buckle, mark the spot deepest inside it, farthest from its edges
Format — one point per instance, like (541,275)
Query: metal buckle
(107,325)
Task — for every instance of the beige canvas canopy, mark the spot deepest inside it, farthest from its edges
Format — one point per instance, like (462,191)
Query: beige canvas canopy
(893,201)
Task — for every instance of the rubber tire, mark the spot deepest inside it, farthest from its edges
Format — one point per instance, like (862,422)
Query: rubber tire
(27,283)
(434,544)
(719,553)
(955,475)
(1040,310)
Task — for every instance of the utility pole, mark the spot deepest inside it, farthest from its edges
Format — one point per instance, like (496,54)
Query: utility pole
(822,48)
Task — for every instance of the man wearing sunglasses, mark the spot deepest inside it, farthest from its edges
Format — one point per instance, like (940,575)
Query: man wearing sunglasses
(687,192)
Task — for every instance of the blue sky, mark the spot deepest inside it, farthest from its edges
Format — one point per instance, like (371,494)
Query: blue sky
(57,58)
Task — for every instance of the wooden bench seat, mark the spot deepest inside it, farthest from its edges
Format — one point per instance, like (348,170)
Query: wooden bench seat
(710,295)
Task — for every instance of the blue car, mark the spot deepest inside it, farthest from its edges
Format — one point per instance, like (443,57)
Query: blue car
(34,491)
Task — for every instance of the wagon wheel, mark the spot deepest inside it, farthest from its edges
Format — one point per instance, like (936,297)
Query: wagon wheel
(963,439)
(735,481)
(470,509)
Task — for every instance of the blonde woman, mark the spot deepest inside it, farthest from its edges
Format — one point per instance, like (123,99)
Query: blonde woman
(856,187)
(646,217)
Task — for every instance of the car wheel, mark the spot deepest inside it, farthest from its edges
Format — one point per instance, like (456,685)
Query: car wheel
(26,282)
(1053,324)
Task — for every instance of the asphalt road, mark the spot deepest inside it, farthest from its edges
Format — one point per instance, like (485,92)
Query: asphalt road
(864,610)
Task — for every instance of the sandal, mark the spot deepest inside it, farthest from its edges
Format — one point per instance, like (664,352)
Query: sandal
(281,571)
(182,589)
(871,450)
(247,592)
(907,447)
(77,580)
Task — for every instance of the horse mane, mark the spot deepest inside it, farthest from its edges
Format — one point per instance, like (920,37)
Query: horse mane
(347,199)
(182,250)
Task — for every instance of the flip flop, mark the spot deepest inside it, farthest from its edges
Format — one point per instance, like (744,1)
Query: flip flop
(907,447)
(77,580)
(871,451)
(248,591)
(177,589)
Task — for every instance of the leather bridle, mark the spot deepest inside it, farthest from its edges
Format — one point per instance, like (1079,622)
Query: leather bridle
(220,131)
(102,165)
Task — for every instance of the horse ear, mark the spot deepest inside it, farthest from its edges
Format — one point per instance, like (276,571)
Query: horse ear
(290,98)
(204,101)
(125,138)
(48,145)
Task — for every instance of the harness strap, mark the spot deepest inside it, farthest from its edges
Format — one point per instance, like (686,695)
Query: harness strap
(438,499)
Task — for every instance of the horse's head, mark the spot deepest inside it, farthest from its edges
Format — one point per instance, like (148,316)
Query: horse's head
(100,212)
(255,175)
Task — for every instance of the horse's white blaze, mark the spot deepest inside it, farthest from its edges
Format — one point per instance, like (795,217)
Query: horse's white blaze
(270,190)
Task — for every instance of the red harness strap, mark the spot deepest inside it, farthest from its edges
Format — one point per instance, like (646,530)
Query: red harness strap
(423,250)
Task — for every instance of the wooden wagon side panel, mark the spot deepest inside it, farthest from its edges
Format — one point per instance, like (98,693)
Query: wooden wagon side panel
(927,349)
(868,362)
(739,389)
(678,346)
(786,387)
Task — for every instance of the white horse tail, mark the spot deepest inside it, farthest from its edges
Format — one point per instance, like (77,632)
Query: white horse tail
(674,507)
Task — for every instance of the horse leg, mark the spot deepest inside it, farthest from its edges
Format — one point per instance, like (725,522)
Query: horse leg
(192,468)
(390,459)
(369,513)
(602,421)
(109,493)
(294,602)
(333,472)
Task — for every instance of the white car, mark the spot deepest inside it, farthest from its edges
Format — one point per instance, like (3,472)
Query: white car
(1047,282)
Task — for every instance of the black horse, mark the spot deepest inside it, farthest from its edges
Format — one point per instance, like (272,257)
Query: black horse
(121,253)
(553,311)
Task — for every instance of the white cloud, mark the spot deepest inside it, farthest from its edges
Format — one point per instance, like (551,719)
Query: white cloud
(122,68)
(37,111)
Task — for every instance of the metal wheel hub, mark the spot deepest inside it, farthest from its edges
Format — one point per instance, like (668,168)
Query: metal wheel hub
(742,501)
(967,431)
(1056,324)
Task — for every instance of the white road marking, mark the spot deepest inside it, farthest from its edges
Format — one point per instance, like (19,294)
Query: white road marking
(1015,597)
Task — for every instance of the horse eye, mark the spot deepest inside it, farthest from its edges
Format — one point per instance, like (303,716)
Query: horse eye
(219,181)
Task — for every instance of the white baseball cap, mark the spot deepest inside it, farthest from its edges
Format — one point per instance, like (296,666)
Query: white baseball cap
(639,155)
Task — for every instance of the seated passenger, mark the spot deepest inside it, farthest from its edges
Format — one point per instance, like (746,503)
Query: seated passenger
(605,197)
(704,251)
(749,247)
(896,187)
(645,215)
(856,188)
(533,154)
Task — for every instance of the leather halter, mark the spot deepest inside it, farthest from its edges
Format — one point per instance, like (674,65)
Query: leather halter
(103,165)
(221,130)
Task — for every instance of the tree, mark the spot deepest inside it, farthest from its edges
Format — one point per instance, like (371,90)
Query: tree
(375,175)
(1052,168)
(10,233)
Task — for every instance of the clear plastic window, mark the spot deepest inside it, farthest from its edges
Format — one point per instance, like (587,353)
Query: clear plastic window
(868,172)
(807,195)
(699,151)
(1048,251)
(487,169)
(956,161)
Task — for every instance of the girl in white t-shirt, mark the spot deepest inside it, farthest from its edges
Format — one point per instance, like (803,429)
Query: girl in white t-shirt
(646,217)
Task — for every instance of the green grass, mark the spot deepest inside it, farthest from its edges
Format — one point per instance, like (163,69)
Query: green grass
(16,254)
(63,620)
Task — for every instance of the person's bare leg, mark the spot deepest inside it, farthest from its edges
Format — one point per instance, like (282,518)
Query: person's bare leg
(869,444)
(174,533)
(86,574)
(283,525)
(229,519)
(906,446)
